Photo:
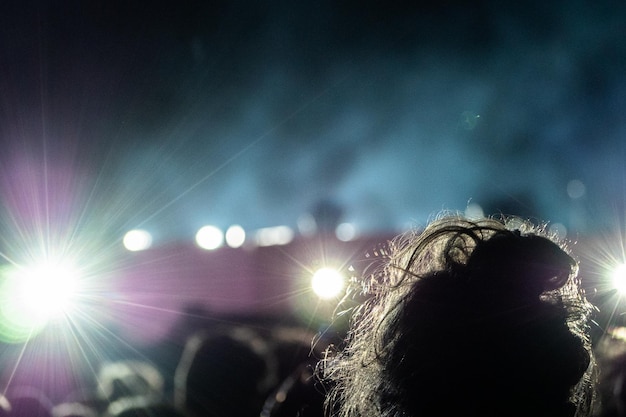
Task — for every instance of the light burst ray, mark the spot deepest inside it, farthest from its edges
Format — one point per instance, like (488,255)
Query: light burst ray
(15,367)
(601,256)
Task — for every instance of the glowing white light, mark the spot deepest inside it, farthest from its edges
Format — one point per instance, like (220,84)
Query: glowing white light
(136,240)
(327,283)
(32,296)
(345,232)
(235,236)
(49,289)
(209,237)
(618,277)
(41,293)
(269,236)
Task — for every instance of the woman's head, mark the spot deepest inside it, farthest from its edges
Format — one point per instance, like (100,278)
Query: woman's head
(468,317)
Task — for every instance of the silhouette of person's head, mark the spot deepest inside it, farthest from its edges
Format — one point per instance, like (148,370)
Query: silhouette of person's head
(468,318)
(225,373)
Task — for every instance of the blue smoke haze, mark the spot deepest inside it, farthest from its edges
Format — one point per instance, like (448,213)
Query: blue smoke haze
(224,112)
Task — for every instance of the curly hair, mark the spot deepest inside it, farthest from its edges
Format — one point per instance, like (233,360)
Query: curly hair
(467,318)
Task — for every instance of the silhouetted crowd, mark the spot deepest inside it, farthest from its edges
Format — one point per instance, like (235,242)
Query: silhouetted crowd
(232,370)
(472,318)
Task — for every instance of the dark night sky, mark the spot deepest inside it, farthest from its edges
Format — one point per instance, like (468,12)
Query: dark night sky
(170,115)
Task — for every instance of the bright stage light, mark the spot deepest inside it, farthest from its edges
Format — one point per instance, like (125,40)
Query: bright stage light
(209,237)
(48,289)
(30,297)
(136,240)
(618,278)
(327,283)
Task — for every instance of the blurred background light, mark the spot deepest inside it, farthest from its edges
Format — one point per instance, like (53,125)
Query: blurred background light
(137,240)
(210,237)
(576,189)
(346,232)
(270,236)
(235,236)
(327,283)
(307,225)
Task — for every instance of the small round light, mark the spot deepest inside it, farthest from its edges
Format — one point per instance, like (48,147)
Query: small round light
(345,232)
(137,240)
(327,283)
(209,237)
(576,189)
(235,236)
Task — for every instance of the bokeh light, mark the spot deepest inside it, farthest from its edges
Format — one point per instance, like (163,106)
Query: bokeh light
(209,237)
(576,189)
(307,225)
(345,232)
(327,283)
(137,240)
(270,236)
(235,236)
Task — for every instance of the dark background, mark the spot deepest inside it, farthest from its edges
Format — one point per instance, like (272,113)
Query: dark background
(169,115)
